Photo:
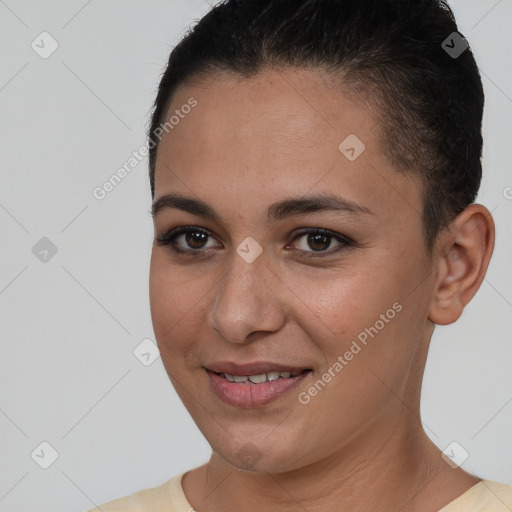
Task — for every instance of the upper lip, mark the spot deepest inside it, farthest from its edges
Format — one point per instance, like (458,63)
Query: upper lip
(255,368)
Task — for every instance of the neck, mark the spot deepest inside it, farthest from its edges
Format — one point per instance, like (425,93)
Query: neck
(401,470)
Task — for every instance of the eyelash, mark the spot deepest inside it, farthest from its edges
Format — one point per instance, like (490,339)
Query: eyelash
(169,239)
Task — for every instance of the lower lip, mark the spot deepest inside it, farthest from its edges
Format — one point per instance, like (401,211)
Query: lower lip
(252,395)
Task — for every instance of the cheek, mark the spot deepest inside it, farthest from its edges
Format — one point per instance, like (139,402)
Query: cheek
(341,303)
(174,304)
(364,317)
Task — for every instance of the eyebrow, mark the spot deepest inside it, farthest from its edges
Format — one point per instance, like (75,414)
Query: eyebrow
(276,211)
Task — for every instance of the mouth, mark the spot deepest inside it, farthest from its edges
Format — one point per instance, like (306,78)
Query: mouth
(253,385)
(259,378)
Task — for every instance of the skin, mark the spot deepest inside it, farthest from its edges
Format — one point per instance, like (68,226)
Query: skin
(359,443)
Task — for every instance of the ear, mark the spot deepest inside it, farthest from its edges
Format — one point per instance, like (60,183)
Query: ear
(464,251)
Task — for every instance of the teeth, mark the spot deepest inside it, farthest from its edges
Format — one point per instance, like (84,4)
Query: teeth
(259,379)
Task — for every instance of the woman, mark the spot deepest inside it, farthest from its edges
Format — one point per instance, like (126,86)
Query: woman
(313,166)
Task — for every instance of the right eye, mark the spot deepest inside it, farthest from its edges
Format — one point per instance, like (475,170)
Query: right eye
(186,239)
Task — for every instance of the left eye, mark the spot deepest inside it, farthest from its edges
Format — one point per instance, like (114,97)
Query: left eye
(319,241)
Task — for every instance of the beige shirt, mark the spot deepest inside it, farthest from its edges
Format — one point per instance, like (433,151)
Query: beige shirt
(485,496)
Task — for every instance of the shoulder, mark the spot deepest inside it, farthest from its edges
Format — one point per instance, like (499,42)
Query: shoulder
(168,497)
(485,496)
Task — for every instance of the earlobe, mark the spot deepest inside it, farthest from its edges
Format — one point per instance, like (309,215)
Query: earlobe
(464,254)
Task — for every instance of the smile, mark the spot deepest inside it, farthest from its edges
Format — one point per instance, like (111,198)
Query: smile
(259,379)
(254,390)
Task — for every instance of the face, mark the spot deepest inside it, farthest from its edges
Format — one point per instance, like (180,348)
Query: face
(278,250)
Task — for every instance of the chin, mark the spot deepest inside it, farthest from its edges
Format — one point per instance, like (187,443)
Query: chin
(259,456)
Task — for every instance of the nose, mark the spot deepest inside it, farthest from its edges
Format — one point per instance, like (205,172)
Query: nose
(246,302)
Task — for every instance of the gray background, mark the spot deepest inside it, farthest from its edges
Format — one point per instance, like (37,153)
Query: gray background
(69,325)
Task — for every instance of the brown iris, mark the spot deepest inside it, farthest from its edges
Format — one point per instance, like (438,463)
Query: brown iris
(319,241)
(195,239)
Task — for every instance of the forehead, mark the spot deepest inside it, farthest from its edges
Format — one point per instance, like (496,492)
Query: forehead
(294,114)
(273,134)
